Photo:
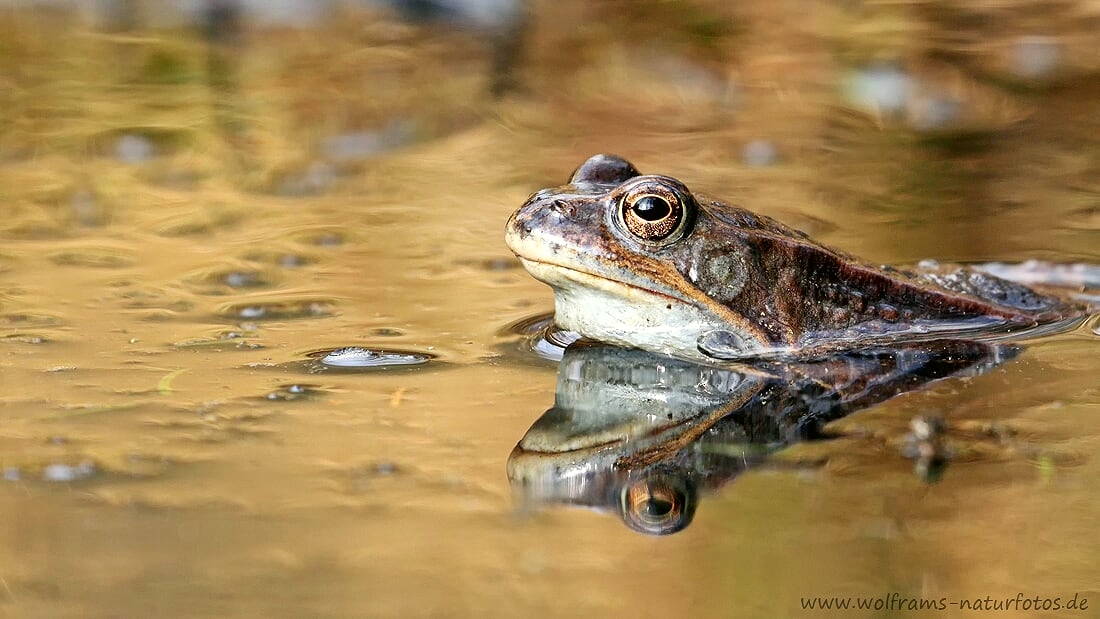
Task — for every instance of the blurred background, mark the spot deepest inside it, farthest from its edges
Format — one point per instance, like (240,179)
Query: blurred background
(196,195)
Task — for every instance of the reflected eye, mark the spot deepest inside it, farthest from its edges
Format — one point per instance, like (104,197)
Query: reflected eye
(658,504)
(654,210)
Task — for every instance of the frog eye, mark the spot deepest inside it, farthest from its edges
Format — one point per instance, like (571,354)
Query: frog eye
(654,211)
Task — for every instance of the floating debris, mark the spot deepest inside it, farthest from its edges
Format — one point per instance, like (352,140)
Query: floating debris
(164,385)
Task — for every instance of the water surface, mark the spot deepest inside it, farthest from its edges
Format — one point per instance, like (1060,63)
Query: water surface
(186,220)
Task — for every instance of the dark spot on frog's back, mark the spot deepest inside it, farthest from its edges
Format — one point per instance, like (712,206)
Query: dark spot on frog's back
(604,170)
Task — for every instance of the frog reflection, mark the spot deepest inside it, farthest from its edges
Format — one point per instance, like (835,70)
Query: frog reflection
(647,436)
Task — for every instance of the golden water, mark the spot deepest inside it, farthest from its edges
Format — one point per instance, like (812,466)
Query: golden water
(124,355)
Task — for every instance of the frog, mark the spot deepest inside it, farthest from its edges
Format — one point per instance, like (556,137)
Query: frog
(641,261)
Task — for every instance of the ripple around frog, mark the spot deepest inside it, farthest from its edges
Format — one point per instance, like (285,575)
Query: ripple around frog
(1032,272)
(538,334)
(978,329)
(1093,324)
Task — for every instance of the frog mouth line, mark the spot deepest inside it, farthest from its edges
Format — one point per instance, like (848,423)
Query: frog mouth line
(602,278)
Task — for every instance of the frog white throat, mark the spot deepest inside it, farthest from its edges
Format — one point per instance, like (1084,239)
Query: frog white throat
(609,311)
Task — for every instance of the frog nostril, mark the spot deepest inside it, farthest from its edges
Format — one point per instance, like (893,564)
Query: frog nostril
(565,208)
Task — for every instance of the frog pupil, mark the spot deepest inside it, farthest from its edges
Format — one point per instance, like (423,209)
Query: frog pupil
(656,508)
(652,208)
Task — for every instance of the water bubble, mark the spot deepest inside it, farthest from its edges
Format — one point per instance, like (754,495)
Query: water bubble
(87,208)
(356,357)
(254,311)
(279,309)
(314,180)
(329,239)
(66,473)
(132,148)
(292,261)
(244,279)
(935,112)
(1036,56)
(759,153)
(294,392)
(349,147)
(881,88)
